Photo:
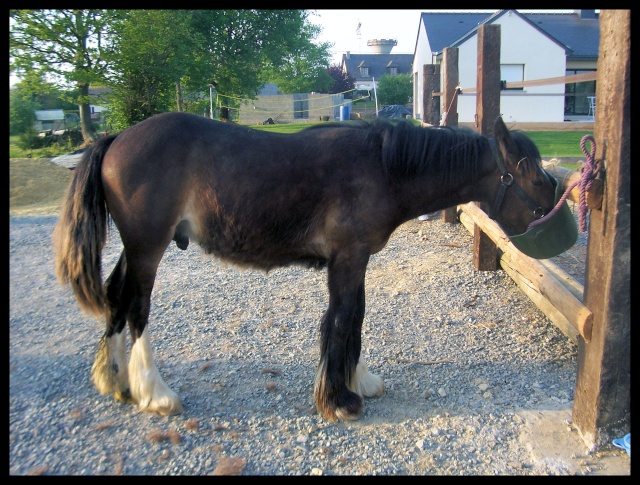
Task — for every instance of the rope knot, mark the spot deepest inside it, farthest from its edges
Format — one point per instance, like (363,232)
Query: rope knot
(589,172)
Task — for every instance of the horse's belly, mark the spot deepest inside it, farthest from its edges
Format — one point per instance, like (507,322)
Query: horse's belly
(260,250)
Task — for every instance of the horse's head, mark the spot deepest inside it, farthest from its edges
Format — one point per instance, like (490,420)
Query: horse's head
(527,193)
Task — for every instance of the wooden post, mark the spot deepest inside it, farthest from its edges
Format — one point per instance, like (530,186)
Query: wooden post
(485,252)
(451,81)
(431,84)
(602,399)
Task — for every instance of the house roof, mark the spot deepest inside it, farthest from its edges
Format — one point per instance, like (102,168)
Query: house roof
(578,32)
(378,64)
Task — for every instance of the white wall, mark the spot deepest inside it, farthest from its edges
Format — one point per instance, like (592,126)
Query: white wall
(521,43)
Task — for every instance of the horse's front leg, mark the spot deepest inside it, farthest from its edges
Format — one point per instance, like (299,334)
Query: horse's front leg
(342,379)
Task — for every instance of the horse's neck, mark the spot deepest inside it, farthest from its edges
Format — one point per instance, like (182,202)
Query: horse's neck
(421,195)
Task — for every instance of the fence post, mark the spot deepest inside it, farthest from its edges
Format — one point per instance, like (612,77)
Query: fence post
(602,398)
(431,84)
(485,252)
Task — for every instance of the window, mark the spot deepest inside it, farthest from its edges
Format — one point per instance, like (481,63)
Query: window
(393,71)
(512,73)
(364,71)
(576,101)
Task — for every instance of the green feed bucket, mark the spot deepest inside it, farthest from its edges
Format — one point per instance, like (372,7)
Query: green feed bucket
(551,237)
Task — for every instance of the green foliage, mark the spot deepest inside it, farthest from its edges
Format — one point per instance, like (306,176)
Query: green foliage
(155,50)
(21,111)
(301,67)
(342,82)
(70,48)
(396,89)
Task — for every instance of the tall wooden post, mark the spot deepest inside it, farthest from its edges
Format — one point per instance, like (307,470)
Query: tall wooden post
(451,80)
(450,84)
(431,84)
(485,251)
(602,400)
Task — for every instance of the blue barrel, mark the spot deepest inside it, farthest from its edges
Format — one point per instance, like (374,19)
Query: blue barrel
(345,112)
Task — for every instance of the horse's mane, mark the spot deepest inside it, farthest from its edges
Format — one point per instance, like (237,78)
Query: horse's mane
(446,154)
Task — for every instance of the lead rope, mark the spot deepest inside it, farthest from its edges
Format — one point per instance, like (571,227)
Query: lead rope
(443,120)
(585,181)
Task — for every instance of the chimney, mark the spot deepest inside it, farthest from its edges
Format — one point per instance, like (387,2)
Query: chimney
(348,55)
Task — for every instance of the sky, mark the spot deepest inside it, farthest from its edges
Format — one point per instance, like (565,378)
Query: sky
(340,28)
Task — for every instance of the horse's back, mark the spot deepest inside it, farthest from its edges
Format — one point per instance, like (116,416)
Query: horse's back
(248,196)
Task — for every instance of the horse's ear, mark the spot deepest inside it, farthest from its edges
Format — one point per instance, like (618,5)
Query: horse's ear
(505,143)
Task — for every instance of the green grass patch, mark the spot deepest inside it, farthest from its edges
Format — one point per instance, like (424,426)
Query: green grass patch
(558,143)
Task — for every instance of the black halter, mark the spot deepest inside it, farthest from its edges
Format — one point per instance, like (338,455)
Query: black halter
(506,181)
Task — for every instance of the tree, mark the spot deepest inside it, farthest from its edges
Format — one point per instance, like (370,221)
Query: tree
(22,109)
(396,89)
(70,48)
(300,67)
(247,48)
(162,53)
(342,82)
(161,63)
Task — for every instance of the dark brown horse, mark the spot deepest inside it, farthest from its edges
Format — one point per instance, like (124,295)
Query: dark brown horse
(328,196)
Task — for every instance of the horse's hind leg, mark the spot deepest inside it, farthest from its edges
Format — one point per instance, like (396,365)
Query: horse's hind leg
(109,373)
(148,389)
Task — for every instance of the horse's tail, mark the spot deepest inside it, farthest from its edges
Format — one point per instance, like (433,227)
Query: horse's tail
(81,231)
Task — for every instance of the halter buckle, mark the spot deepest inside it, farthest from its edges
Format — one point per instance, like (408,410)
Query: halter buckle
(538,213)
(506,179)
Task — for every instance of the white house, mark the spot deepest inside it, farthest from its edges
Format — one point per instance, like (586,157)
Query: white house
(533,46)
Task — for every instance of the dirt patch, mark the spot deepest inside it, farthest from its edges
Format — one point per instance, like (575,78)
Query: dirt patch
(36,186)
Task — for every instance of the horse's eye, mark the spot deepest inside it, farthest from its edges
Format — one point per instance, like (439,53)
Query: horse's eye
(537,183)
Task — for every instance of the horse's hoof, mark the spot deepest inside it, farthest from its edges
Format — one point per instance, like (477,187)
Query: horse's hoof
(344,415)
(124,396)
(165,407)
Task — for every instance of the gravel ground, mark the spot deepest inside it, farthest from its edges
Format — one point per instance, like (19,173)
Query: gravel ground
(479,381)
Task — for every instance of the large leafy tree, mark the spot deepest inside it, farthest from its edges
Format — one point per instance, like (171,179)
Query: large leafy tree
(396,89)
(299,66)
(161,63)
(247,48)
(68,48)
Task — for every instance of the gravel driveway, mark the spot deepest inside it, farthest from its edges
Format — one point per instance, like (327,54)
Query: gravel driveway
(472,369)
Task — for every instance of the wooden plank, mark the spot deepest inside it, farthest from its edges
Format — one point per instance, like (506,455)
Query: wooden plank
(544,283)
(567,327)
(574,78)
(602,399)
